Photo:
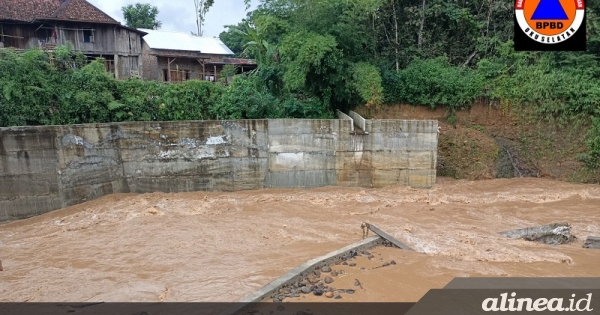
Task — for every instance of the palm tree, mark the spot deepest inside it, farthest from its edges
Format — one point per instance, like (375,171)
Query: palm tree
(257,46)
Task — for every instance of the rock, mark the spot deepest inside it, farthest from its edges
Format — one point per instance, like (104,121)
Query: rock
(386,264)
(366,253)
(280,308)
(329,295)
(277,299)
(362,268)
(293,291)
(352,265)
(337,296)
(551,234)
(304,282)
(317,273)
(344,263)
(370,256)
(392,262)
(356,283)
(313,279)
(590,242)
(350,291)
(328,280)
(318,292)
(334,273)
(326,269)
(306,289)
(284,290)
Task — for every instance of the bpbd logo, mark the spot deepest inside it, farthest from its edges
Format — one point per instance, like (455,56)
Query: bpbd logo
(544,25)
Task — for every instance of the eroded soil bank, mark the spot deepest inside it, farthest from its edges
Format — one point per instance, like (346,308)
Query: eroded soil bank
(209,246)
(492,141)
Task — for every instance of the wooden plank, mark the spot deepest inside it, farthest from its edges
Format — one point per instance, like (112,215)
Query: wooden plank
(388,237)
(592,242)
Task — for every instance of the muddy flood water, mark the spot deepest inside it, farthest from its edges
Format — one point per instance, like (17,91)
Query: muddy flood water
(209,246)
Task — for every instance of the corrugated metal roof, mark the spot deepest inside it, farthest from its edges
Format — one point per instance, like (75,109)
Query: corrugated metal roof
(182,41)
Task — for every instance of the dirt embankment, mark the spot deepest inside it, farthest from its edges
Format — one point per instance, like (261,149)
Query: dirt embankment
(488,142)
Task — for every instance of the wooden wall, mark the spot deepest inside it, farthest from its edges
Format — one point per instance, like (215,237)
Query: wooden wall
(108,39)
(188,64)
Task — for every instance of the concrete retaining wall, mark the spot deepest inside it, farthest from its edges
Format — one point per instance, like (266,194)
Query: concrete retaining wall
(49,167)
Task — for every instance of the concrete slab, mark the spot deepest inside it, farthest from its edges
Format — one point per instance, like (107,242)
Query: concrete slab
(300,272)
(388,237)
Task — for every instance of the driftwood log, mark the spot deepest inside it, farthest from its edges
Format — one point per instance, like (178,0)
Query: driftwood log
(592,242)
(551,234)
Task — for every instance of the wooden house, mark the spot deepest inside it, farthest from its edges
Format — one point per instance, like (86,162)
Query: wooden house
(175,57)
(27,24)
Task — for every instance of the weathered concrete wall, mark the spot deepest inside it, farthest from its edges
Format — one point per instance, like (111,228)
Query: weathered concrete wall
(28,165)
(50,167)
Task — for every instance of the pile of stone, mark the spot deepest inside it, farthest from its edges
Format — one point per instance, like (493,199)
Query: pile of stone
(320,281)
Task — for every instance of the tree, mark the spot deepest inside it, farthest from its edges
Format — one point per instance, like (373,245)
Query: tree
(234,38)
(141,15)
(202,7)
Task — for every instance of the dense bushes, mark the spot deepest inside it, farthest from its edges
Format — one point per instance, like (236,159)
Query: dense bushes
(39,90)
(248,98)
(434,83)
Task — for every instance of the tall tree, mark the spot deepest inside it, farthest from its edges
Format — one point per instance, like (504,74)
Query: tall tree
(202,7)
(141,15)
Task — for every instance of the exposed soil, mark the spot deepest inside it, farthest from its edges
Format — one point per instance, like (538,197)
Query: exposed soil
(487,142)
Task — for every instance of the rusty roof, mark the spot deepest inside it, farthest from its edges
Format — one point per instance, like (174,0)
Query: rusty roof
(66,10)
(239,61)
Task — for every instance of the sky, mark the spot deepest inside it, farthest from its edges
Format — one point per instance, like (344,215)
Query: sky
(178,15)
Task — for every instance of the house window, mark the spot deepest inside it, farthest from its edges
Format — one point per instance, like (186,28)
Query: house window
(88,36)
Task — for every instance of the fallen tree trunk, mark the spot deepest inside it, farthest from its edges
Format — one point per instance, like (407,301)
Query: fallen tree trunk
(551,234)
(592,242)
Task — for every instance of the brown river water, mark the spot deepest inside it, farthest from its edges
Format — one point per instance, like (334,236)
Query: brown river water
(212,246)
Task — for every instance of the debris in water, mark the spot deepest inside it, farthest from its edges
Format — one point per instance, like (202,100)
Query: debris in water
(551,234)
(590,242)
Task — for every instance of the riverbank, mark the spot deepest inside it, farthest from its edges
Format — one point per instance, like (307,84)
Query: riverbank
(489,141)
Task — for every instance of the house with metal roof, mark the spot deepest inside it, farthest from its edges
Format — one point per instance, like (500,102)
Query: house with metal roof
(175,57)
(27,24)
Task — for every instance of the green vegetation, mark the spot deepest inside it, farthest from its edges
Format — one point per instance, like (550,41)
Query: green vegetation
(141,15)
(317,56)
